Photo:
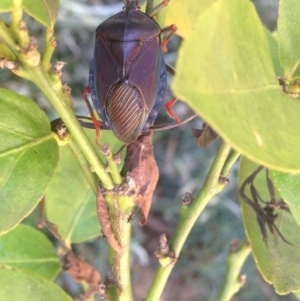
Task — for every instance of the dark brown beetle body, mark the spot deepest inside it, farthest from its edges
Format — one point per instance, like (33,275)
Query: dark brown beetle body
(128,75)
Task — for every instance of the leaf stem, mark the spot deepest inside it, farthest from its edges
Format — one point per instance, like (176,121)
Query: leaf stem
(232,282)
(160,15)
(120,265)
(61,104)
(113,213)
(18,25)
(6,36)
(85,166)
(50,45)
(233,156)
(189,215)
(149,6)
(112,164)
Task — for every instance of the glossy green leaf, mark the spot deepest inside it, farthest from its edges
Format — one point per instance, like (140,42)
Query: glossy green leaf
(38,256)
(6,5)
(184,15)
(70,201)
(278,263)
(44,11)
(23,286)
(288,38)
(288,186)
(272,39)
(230,82)
(28,157)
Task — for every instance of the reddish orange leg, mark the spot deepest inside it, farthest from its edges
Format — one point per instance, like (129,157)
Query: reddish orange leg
(169,106)
(96,122)
(172,28)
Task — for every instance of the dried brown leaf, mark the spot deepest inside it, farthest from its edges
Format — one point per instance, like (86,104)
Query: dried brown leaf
(141,167)
(82,271)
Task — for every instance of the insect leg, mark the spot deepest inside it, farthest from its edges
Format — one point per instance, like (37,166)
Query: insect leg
(158,7)
(96,122)
(172,28)
(170,112)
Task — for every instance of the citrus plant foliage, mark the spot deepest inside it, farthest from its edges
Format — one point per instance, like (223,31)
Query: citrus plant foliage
(227,72)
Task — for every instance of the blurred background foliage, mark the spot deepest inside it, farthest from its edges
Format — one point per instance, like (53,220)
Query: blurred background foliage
(183,166)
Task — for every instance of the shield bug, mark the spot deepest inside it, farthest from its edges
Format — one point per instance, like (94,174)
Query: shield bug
(127,77)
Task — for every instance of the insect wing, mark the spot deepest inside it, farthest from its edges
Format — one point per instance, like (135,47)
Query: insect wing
(149,75)
(105,73)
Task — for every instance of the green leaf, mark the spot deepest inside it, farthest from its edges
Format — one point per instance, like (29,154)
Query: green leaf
(288,186)
(28,157)
(39,256)
(230,82)
(278,263)
(70,201)
(297,295)
(288,38)
(44,11)
(184,15)
(23,286)
(6,6)
(274,52)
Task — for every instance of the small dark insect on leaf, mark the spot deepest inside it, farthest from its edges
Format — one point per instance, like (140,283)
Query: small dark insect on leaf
(264,215)
(133,214)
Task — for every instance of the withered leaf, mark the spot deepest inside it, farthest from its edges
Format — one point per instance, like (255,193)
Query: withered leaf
(205,136)
(141,167)
(82,271)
